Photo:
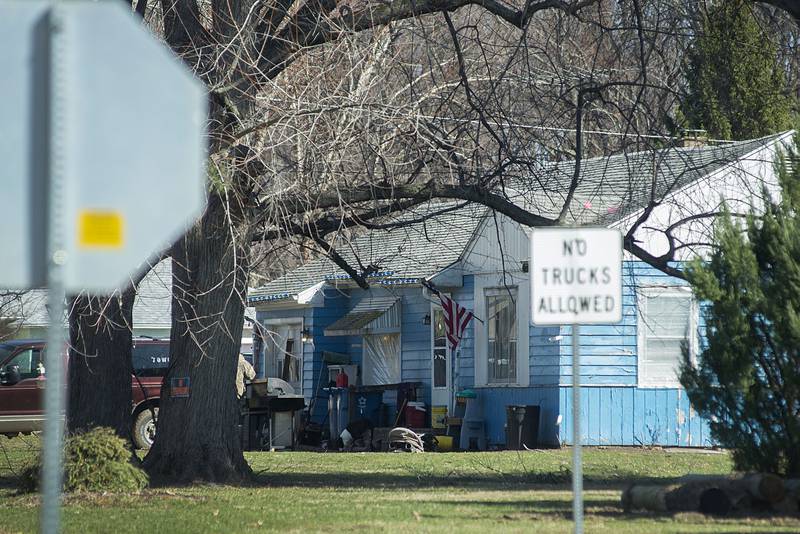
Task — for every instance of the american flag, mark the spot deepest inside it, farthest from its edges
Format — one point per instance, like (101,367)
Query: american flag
(456,319)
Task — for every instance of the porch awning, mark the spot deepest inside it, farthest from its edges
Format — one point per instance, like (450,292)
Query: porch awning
(380,315)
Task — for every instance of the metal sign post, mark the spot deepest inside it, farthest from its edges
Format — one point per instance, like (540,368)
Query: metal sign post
(576,278)
(54,402)
(577,462)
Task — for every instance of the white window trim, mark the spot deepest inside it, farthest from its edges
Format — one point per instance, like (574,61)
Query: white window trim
(521,281)
(289,321)
(642,293)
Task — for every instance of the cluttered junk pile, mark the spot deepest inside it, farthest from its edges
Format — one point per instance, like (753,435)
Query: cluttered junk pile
(386,417)
(390,417)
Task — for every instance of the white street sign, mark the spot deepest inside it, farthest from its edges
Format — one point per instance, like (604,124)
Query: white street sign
(103,147)
(576,276)
(126,120)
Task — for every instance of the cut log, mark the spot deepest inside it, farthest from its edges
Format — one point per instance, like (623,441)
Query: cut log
(702,496)
(766,487)
(789,505)
(792,486)
(760,486)
(652,498)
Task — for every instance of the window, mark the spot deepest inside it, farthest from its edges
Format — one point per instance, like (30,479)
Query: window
(28,361)
(381,363)
(151,359)
(440,349)
(501,333)
(667,323)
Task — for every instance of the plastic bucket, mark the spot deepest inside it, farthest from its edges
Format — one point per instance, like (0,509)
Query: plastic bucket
(445,443)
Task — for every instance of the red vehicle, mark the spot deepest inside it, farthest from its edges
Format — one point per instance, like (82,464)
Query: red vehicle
(22,383)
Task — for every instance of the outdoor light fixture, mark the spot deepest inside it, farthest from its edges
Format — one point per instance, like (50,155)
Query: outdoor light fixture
(426,319)
(305,335)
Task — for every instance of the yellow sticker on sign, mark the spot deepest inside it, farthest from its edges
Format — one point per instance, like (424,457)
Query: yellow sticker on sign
(101,229)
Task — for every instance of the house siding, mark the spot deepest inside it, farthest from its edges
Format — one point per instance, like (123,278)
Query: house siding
(614,410)
(315,372)
(465,358)
(634,416)
(495,400)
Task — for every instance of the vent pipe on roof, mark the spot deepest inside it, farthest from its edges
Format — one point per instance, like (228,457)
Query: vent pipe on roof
(693,139)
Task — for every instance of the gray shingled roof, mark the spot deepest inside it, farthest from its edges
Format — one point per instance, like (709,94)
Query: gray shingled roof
(401,255)
(616,186)
(610,189)
(152,308)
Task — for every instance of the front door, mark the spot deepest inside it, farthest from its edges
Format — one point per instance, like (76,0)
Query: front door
(441,361)
(283,346)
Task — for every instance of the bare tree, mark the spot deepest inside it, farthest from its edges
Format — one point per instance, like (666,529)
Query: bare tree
(99,367)
(326,117)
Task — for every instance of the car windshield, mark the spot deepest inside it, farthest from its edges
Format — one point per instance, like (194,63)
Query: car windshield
(151,359)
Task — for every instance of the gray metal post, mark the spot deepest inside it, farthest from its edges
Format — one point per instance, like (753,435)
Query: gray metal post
(56,258)
(577,463)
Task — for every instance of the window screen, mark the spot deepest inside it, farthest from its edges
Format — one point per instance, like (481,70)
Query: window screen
(381,359)
(501,328)
(665,325)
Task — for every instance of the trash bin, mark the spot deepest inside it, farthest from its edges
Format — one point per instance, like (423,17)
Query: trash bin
(473,428)
(367,405)
(522,427)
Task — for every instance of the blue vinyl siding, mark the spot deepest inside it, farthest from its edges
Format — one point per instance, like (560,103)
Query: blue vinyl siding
(495,400)
(634,416)
(544,357)
(415,337)
(465,371)
(315,375)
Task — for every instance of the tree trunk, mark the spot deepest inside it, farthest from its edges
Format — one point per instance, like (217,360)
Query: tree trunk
(197,436)
(99,366)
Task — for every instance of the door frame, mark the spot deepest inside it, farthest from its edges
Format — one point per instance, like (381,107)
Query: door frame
(441,395)
(272,325)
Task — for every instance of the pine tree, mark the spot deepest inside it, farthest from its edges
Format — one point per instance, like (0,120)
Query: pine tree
(746,380)
(736,88)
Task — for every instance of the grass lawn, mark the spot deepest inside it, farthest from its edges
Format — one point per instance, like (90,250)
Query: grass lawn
(368,492)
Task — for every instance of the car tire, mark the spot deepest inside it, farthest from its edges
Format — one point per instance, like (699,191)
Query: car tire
(144,428)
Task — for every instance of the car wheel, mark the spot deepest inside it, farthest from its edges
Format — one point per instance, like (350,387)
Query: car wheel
(144,428)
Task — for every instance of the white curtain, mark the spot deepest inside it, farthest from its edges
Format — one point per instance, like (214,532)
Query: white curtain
(381,359)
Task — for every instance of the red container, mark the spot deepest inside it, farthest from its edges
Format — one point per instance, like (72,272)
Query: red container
(341,380)
(415,415)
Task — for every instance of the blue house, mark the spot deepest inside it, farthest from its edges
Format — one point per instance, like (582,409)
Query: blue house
(393,331)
